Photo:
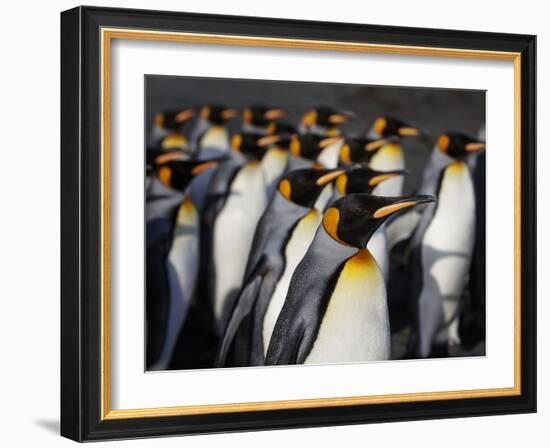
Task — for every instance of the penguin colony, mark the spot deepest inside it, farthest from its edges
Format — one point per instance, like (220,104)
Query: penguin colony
(292,243)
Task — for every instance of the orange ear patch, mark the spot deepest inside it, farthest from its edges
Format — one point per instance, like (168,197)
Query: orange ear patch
(443,142)
(330,223)
(285,188)
(165,175)
(380,125)
(345,154)
(341,184)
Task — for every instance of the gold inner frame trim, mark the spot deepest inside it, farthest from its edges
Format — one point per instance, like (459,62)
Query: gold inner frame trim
(107,35)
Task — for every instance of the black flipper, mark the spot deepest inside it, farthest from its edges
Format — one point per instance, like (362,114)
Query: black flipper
(235,347)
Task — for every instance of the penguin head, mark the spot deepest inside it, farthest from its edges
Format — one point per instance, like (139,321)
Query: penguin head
(304,186)
(363,180)
(388,126)
(309,146)
(171,143)
(261,115)
(217,114)
(326,117)
(174,119)
(353,219)
(281,128)
(176,172)
(248,143)
(458,145)
(360,150)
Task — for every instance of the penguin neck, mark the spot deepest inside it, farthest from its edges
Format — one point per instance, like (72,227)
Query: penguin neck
(331,251)
(363,263)
(437,162)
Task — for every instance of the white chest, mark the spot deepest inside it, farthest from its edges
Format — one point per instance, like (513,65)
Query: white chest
(355,326)
(215,137)
(448,242)
(329,155)
(274,163)
(234,230)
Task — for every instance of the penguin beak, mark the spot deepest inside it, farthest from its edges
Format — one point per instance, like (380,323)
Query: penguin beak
(227,114)
(341,117)
(273,114)
(329,141)
(474,147)
(206,165)
(184,115)
(268,140)
(373,181)
(400,204)
(329,177)
(173,155)
(407,131)
(377,144)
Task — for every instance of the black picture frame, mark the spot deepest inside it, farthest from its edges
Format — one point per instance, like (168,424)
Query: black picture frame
(81,414)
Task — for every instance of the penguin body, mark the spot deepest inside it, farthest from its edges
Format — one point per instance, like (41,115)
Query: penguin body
(308,295)
(472,319)
(447,248)
(232,236)
(172,227)
(182,271)
(441,252)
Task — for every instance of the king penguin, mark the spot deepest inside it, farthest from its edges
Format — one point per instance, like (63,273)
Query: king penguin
(170,143)
(324,120)
(271,150)
(388,157)
(236,200)
(257,118)
(211,131)
(172,253)
(169,122)
(335,309)
(281,239)
(441,251)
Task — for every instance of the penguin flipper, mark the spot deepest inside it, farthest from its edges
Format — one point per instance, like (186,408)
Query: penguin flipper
(287,351)
(238,324)
(235,347)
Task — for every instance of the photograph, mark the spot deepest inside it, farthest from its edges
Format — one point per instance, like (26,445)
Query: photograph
(291,223)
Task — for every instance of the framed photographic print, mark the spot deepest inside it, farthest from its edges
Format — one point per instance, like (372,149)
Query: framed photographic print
(276,224)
